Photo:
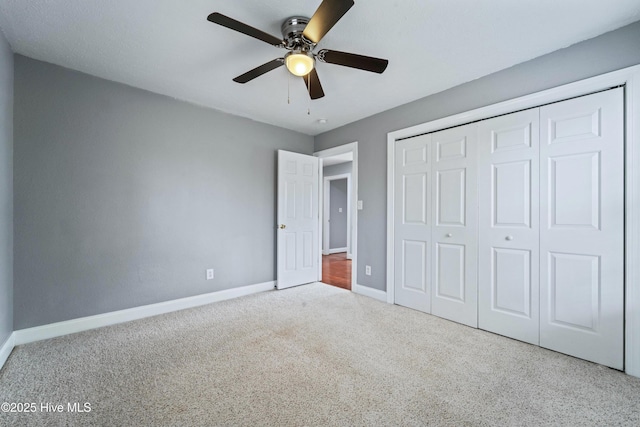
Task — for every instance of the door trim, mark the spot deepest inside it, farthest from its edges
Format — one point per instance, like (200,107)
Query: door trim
(353,203)
(326,233)
(627,77)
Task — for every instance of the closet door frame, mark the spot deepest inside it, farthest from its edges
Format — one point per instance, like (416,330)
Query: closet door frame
(627,77)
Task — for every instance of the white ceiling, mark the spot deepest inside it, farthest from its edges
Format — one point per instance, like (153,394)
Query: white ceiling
(168,47)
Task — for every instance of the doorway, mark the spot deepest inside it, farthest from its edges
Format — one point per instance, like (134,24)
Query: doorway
(336,253)
(339,215)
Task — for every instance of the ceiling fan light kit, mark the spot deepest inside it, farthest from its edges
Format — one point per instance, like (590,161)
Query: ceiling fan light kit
(299,63)
(300,37)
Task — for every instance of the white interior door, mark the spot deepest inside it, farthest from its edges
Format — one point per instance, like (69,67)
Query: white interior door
(412,226)
(454,294)
(298,219)
(582,234)
(508,283)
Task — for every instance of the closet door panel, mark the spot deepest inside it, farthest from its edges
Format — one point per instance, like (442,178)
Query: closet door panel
(454,231)
(582,227)
(508,248)
(412,245)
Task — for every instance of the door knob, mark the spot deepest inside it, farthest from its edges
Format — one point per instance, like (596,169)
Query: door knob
(282,226)
(509,238)
(449,235)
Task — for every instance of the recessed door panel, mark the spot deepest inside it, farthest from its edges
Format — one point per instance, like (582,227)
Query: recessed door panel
(574,191)
(414,198)
(574,290)
(450,271)
(511,138)
(582,230)
(415,156)
(290,199)
(575,126)
(291,167)
(414,269)
(308,201)
(508,299)
(451,150)
(511,281)
(290,252)
(511,194)
(307,248)
(451,193)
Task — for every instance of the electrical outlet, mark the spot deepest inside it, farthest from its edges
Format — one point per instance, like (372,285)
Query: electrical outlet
(210,274)
(360,205)
(339,209)
(367,270)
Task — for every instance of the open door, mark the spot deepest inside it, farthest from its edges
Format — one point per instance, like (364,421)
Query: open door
(298,219)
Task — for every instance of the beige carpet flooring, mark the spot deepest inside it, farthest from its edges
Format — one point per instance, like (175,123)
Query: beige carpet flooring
(313,355)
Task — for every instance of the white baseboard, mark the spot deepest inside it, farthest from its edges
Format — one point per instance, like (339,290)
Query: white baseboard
(370,292)
(24,336)
(325,252)
(6,349)
(337,250)
(349,256)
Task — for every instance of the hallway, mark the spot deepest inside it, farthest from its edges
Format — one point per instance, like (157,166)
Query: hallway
(336,270)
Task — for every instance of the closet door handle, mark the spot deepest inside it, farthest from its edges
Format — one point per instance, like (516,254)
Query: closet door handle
(449,235)
(508,238)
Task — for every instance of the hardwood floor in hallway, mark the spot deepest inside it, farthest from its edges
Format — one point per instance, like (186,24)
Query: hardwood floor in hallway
(336,270)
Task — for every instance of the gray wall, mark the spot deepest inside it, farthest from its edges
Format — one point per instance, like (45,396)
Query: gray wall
(339,169)
(608,52)
(124,197)
(338,218)
(6,190)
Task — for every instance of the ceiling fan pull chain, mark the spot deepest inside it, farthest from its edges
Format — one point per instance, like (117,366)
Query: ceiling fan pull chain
(289,89)
(309,99)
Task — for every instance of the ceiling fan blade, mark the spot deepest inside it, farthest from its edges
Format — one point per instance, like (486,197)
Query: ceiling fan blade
(225,21)
(367,63)
(258,71)
(314,87)
(329,12)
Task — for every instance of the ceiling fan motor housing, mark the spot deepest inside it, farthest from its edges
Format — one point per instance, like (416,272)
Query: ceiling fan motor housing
(292,29)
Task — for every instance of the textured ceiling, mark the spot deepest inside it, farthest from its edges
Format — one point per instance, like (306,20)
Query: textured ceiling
(168,47)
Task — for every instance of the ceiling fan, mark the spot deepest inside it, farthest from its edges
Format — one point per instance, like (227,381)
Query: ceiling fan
(300,37)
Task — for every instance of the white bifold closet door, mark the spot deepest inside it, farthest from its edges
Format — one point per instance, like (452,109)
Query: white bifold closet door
(412,242)
(454,232)
(582,227)
(508,153)
(551,240)
(436,224)
(533,248)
